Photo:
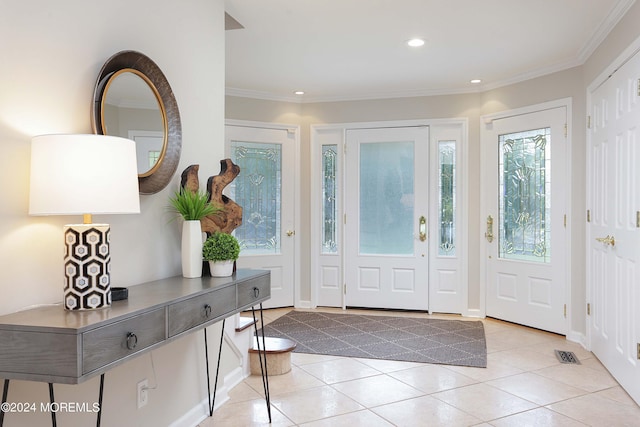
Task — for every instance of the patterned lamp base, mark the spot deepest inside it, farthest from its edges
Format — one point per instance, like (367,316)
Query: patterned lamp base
(87,266)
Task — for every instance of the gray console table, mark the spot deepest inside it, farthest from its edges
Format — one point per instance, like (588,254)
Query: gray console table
(53,345)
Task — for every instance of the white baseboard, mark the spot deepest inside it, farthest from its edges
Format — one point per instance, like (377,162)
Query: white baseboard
(234,378)
(578,338)
(474,313)
(303,304)
(200,412)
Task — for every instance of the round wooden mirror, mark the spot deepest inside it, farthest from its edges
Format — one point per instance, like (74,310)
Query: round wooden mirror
(133,99)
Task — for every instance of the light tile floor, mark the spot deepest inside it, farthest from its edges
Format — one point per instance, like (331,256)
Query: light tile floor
(523,385)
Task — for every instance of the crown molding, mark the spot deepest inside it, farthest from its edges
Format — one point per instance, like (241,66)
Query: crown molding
(601,33)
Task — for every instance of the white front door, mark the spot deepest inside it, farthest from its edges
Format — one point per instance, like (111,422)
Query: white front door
(265,190)
(386,205)
(525,194)
(613,233)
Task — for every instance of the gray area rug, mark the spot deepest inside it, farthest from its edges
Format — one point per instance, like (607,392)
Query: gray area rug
(450,342)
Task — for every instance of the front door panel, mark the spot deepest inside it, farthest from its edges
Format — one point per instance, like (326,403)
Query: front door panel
(386,195)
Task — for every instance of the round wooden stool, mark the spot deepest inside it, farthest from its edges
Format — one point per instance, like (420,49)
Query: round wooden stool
(278,352)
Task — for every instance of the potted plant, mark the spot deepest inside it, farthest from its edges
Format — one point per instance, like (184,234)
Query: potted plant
(221,250)
(192,206)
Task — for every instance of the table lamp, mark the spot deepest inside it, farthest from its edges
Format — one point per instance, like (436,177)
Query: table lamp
(84,175)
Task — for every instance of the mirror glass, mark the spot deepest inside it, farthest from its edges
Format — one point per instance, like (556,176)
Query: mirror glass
(133,99)
(131,109)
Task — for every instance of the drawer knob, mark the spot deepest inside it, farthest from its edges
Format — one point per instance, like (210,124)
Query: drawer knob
(132,340)
(207,311)
(256,292)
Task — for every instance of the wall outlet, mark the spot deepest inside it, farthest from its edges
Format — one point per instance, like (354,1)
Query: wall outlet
(143,393)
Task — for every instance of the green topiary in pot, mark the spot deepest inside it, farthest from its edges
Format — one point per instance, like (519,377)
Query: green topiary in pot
(221,250)
(221,247)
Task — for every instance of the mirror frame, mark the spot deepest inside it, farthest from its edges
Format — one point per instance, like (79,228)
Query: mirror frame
(144,67)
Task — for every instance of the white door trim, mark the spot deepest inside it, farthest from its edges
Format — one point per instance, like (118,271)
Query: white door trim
(484,208)
(297,291)
(626,55)
(316,188)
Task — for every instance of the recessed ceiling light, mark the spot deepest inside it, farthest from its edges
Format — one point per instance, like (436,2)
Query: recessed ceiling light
(475,81)
(415,42)
(299,92)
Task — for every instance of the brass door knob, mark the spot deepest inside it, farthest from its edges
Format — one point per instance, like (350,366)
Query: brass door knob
(489,233)
(609,240)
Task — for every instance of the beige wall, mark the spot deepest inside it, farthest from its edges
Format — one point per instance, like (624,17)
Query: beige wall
(571,83)
(51,55)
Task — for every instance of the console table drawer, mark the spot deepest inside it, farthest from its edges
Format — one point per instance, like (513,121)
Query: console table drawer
(253,291)
(38,354)
(195,311)
(113,342)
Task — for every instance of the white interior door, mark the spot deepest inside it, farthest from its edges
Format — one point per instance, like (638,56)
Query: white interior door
(613,235)
(525,193)
(265,190)
(386,204)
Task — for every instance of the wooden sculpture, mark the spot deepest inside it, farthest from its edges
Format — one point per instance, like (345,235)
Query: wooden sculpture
(230,217)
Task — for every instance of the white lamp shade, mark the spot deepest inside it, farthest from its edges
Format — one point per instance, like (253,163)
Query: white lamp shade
(83,174)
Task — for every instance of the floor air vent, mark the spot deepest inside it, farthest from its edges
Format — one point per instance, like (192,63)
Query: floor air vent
(567,357)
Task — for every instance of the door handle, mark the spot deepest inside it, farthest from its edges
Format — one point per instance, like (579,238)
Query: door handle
(489,233)
(609,240)
(291,233)
(422,228)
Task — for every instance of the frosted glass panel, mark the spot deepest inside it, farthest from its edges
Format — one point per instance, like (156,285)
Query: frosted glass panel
(387,198)
(525,196)
(329,206)
(257,190)
(447,199)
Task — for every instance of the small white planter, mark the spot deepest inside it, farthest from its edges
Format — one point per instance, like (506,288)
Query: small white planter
(221,268)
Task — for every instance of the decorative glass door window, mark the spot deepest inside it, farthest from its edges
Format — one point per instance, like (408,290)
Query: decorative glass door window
(329,205)
(447,197)
(387,198)
(525,196)
(257,190)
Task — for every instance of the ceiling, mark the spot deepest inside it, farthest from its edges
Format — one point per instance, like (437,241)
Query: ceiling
(356,49)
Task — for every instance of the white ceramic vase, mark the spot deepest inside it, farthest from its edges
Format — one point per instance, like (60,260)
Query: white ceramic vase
(192,249)
(221,268)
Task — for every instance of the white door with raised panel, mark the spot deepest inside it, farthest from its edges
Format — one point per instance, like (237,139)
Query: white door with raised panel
(524,192)
(613,233)
(265,190)
(386,205)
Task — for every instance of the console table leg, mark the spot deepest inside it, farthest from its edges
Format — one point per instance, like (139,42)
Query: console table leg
(262,354)
(212,402)
(100,400)
(206,358)
(215,385)
(5,392)
(52,400)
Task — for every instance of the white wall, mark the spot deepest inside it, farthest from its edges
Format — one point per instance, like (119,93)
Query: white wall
(51,53)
